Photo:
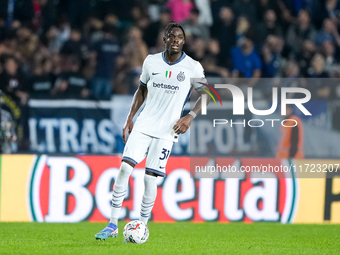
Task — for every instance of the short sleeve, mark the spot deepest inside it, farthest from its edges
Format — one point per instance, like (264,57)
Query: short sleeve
(198,80)
(144,76)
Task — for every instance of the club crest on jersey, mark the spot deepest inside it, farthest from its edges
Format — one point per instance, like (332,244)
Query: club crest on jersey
(181,76)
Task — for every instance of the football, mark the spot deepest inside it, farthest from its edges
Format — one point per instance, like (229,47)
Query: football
(136,232)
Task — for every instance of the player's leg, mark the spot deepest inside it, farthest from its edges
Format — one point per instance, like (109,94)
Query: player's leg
(120,189)
(134,152)
(157,158)
(149,196)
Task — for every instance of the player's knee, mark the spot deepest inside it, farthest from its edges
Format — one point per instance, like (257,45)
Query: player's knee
(150,182)
(147,172)
(129,163)
(125,169)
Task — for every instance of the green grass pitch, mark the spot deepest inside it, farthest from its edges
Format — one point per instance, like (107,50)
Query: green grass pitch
(172,238)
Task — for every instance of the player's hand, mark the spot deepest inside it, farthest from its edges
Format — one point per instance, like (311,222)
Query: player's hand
(127,128)
(183,124)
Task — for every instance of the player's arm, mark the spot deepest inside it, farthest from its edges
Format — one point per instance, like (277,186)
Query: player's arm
(183,124)
(137,101)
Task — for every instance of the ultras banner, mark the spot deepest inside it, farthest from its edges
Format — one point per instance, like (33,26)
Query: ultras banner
(46,188)
(71,126)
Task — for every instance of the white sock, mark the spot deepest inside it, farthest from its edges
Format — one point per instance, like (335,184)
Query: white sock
(119,191)
(149,197)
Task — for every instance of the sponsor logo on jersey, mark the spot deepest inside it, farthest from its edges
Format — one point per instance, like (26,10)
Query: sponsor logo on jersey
(165,86)
(155,73)
(168,74)
(181,76)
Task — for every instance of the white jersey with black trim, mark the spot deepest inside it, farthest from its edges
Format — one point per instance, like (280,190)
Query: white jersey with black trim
(169,88)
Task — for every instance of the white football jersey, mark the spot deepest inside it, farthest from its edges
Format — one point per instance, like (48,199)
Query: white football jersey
(169,88)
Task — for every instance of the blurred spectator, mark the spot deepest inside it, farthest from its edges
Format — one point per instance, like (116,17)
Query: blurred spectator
(291,74)
(246,8)
(48,68)
(287,14)
(3,11)
(107,49)
(216,6)
(71,83)
(291,70)
(317,67)
(213,48)
(140,15)
(225,32)
(154,31)
(331,63)
(78,11)
(8,134)
(333,9)
(8,45)
(27,42)
(56,36)
(76,45)
(273,61)
(317,10)
(328,32)
(210,61)
(104,7)
(246,62)
(290,8)
(41,83)
(192,27)
(64,29)
(120,8)
(198,49)
(205,16)
(297,33)
(37,19)
(54,39)
(112,20)
(12,82)
(154,9)
(23,11)
(180,9)
(135,50)
(243,27)
(93,29)
(48,14)
(304,57)
(319,88)
(53,65)
(263,6)
(268,26)
(129,63)
(3,31)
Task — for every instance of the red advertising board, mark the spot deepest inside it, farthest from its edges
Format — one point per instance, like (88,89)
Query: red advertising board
(71,189)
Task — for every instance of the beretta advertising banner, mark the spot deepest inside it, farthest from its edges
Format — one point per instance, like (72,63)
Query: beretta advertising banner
(46,188)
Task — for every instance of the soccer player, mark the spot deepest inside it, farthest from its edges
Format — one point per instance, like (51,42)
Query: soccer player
(165,85)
